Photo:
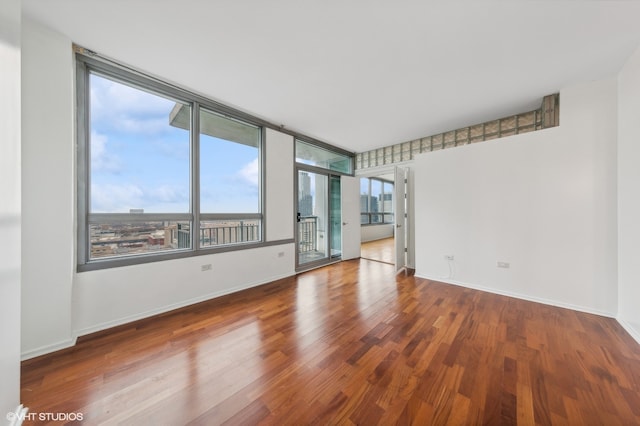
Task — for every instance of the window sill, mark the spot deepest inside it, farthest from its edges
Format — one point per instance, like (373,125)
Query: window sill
(141,259)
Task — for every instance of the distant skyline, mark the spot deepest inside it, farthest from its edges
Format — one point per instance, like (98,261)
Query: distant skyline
(140,161)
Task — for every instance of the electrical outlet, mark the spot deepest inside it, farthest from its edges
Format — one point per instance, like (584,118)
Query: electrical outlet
(206,267)
(448,257)
(281,254)
(503,265)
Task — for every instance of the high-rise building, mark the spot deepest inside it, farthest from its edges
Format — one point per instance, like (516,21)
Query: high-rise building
(305,199)
(386,202)
(364,203)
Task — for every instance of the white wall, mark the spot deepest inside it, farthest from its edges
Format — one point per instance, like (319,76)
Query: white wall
(280,225)
(60,304)
(629,196)
(9,206)
(110,297)
(544,201)
(47,192)
(375,232)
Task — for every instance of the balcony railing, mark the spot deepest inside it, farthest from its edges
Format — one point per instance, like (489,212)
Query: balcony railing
(220,235)
(307,234)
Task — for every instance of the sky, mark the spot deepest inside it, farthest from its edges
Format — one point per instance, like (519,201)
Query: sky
(140,161)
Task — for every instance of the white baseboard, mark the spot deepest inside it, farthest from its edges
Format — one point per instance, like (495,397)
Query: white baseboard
(171,307)
(43,350)
(526,297)
(630,329)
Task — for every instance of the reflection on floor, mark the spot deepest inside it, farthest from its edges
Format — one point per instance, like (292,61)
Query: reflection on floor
(379,250)
(314,255)
(310,256)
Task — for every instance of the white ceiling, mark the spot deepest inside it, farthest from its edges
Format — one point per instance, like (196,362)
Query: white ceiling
(359,74)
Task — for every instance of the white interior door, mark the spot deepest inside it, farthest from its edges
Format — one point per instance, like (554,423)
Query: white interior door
(350,193)
(400,210)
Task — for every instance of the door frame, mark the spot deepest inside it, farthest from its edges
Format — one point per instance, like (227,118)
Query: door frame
(409,222)
(400,229)
(328,259)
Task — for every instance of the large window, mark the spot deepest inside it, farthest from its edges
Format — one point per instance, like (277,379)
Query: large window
(161,173)
(376,201)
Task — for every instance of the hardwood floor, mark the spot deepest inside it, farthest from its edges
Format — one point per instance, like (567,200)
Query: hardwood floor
(350,343)
(381,250)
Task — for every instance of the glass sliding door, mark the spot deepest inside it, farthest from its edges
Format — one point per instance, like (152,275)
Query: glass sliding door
(320,218)
(312,217)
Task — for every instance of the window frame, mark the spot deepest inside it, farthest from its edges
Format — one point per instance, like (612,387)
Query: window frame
(86,64)
(383,214)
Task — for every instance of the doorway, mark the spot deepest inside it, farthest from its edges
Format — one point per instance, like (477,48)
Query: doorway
(384,217)
(318,217)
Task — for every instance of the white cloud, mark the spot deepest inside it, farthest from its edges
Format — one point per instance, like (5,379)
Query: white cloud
(147,126)
(172,149)
(125,98)
(250,173)
(122,108)
(121,198)
(112,198)
(169,194)
(101,158)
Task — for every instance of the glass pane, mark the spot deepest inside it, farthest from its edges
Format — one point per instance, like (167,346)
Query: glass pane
(376,195)
(139,156)
(376,218)
(364,218)
(126,239)
(387,198)
(312,217)
(335,216)
(222,232)
(321,157)
(364,195)
(229,165)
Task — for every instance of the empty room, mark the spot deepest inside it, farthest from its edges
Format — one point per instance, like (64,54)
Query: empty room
(305,212)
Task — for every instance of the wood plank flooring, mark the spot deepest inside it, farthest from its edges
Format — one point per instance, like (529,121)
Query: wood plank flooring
(351,343)
(381,250)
